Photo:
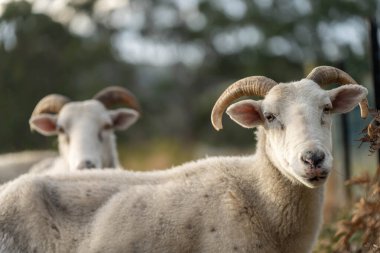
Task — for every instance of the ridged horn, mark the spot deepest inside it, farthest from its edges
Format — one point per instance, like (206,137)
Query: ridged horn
(115,95)
(325,75)
(249,86)
(51,104)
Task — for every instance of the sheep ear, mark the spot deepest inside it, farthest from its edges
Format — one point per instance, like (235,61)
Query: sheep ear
(246,113)
(123,118)
(346,97)
(45,124)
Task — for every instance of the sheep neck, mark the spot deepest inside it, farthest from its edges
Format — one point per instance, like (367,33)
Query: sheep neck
(298,208)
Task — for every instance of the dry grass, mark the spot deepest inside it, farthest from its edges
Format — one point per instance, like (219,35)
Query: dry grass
(361,232)
(371,133)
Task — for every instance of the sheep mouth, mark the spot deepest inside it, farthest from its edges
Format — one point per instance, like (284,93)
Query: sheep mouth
(316,174)
(316,178)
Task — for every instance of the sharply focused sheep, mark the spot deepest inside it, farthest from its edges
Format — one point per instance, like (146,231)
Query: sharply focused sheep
(85,129)
(268,202)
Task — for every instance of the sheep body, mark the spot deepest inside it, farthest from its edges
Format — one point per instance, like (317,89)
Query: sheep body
(216,208)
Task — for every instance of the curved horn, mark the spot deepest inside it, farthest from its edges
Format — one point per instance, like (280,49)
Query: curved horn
(249,86)
(117,95)
(51,104)
(324,75)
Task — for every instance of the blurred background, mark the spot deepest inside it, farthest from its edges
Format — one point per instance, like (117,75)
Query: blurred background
(177,56)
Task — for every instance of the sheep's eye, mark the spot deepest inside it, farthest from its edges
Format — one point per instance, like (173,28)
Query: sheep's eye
(326,109)
(269,116)
(60,130)
(107,126)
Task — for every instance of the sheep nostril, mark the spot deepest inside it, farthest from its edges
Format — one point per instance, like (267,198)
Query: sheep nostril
(313,158)
(86,165)
(89,165)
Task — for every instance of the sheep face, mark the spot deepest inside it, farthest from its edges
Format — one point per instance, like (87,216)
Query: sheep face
(296,120)
(86,132)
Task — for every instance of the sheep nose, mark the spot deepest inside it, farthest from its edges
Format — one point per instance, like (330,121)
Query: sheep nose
(86,164)
(313,158)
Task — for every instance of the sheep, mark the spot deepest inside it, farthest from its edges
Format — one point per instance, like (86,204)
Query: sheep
(85,129)
(270,201)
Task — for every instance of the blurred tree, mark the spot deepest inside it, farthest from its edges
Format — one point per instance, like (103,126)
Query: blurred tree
(39,56)
(178,55)
(220,41)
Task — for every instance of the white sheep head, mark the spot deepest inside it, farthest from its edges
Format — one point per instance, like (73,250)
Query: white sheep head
(85,129)
(295,118)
